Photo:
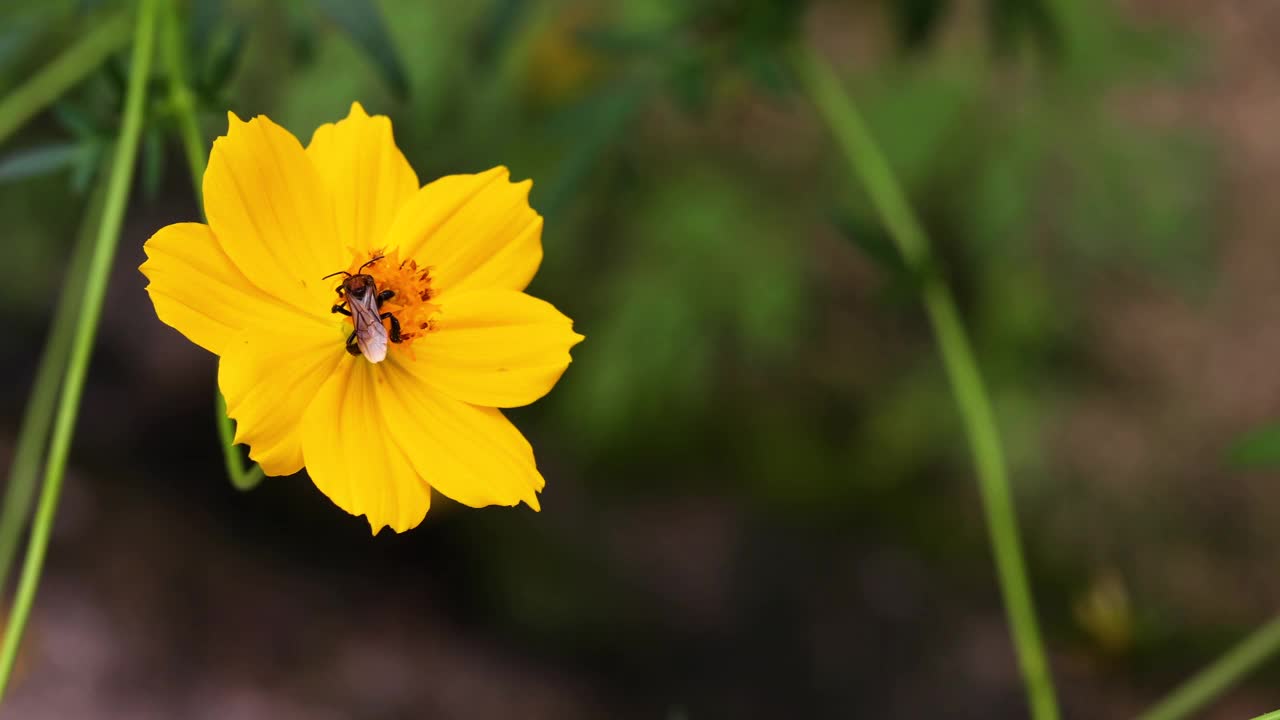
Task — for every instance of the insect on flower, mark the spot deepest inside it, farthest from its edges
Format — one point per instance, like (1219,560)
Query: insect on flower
(402,399)
(359,293)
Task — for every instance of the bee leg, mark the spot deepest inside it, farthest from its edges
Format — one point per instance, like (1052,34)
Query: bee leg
(385,295)
(339,291)
(395,326)
(340,309)
(352,346)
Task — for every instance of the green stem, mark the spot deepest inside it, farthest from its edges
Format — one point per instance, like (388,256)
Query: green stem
(1222,674)
(72,66)
(184,107)
(1273,715)
(242,479)
(870,166)
(182,99)
(34,433)
(121,175)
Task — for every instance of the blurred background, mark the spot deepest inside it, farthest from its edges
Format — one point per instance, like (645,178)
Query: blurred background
(759,500)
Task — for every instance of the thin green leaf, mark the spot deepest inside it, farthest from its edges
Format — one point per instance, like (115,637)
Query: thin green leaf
(874,243)
(116,75)
(71,67)
(20,35)
(204,18)
(85,166)
(363,24)
(36,161)
(223,61)
(594,123)
(76,119)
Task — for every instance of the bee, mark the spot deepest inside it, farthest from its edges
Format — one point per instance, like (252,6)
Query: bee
(362,301)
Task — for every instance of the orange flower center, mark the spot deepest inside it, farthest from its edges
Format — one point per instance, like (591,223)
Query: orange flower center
(411,285)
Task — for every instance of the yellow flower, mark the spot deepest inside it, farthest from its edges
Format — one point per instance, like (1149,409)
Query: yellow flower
(377,430)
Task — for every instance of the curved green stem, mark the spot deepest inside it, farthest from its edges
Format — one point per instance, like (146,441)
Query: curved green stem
(242,479)
(869,165)
(1273,715)
(63,73)
(184,108)
(38,416)
(1226,671)
(90,310)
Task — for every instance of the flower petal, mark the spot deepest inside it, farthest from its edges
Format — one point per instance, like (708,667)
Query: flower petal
(198,291)
(471,454)
(495,348)
(475,231)
(367,176)
(269,380)
(272,214)
(350,455)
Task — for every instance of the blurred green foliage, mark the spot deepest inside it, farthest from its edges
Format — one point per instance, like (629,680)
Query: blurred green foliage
(685,249)
(735,343)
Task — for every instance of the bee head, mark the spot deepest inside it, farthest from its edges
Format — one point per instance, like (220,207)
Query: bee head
(358,286)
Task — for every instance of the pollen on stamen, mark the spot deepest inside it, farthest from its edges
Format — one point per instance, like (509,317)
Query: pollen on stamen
(411,283)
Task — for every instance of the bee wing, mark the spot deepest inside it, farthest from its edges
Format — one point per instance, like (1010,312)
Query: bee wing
(373,342)
(371,336)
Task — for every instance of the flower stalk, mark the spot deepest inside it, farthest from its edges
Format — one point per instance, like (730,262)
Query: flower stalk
(38,416)
(1225,672)
(181,99)
(182,103)
(870,166)
(89,311)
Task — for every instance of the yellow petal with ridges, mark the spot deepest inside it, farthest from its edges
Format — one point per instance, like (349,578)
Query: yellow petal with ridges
(353,459)
(476,232)
(366,174)
(496,348)
(471,454)
(250,286)
(272,213)
(269,380)
(198,291)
